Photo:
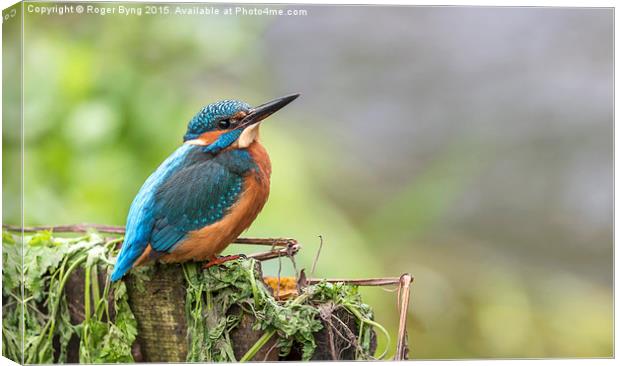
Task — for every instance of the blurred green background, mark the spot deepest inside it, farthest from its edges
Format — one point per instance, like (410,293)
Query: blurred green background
(469,146)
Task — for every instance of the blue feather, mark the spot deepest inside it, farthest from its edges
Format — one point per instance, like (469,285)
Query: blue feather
(198,195)
(140,218)
(225,140)
(189,191)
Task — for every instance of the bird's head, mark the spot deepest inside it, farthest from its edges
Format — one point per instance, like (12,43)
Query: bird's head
(230,124)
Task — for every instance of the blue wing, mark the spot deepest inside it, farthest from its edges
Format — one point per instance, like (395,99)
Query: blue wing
(191,199)
(188,191)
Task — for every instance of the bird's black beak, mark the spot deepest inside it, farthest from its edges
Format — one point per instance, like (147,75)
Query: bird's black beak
(263,111)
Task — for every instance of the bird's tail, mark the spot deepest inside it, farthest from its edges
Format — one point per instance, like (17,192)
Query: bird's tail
(124,261)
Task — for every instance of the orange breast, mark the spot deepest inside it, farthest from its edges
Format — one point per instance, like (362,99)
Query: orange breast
(211,240)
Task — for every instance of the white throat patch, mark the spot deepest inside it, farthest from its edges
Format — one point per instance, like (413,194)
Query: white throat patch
(248,136)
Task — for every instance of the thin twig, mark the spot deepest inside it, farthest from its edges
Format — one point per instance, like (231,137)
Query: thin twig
(332,346)
(77,228)
(350,343)
(290,246)
(291,256)
(276,242)
(328,320)
(279,273)
(402,349)
(318,253)
(288,251)
(111,229)
(351,338)
(326,312)
(275,344)
(383,281)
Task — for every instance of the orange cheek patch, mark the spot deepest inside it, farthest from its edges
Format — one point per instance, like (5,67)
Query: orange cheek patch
(239,115)
(209,137)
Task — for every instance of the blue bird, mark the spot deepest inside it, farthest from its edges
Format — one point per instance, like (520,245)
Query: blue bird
(204,195)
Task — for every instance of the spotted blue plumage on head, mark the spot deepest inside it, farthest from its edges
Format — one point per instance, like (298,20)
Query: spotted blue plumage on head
(208,117)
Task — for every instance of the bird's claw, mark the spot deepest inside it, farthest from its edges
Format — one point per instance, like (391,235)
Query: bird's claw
(221,260)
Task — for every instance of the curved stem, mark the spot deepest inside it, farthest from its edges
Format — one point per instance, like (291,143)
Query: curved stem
(363,319)
(258,345)
(86,295)
(95,288)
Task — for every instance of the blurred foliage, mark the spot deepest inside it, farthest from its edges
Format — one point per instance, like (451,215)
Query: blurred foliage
(108,98)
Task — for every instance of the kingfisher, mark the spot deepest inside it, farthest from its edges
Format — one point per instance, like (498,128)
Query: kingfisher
(204,195)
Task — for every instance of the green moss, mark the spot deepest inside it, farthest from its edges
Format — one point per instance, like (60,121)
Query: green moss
(210,294)
(47,264)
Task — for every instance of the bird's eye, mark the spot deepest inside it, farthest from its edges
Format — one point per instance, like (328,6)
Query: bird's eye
(224,124)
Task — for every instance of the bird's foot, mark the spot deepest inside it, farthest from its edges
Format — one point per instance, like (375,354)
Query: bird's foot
(221,260)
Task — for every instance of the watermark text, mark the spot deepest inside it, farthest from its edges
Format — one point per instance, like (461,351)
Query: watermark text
(107,9)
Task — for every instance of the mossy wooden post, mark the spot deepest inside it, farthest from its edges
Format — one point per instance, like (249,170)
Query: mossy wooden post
(158,303)
(159,307)
(157,294)
(157,297)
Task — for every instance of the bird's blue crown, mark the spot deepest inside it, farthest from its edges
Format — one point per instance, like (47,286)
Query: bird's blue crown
(209,116)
